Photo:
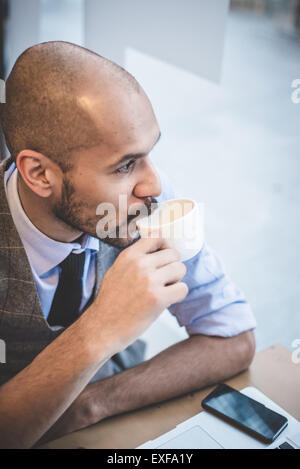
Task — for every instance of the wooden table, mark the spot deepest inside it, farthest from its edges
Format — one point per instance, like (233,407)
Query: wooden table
(272,372)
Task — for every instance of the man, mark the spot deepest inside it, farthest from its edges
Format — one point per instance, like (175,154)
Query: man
(72,301)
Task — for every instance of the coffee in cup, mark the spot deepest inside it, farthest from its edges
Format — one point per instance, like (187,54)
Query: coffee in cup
(180,222)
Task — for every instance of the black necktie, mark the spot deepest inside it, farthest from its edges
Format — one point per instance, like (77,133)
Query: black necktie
(67,299)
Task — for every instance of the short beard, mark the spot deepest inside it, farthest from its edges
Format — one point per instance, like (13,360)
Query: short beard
(71,212)
(68,210)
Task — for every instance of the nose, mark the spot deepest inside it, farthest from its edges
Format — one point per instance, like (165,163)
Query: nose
(149,184)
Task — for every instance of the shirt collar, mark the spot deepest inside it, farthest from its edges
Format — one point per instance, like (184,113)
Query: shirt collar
(43,252)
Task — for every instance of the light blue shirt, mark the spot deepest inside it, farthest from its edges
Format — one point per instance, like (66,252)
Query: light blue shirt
(213,306)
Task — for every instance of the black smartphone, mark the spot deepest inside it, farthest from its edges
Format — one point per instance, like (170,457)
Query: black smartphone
(245,413)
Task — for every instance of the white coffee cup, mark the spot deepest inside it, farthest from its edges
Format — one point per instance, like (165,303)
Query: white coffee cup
(180,222)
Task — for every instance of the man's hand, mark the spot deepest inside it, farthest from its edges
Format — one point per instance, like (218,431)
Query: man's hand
(143,281)
(135,290)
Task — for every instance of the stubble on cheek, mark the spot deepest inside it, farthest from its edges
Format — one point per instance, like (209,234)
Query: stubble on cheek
(73,211)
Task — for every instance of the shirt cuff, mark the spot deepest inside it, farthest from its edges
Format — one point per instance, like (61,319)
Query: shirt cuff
(229,321)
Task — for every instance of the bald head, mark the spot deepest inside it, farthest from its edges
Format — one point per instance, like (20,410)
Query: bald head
(56,100)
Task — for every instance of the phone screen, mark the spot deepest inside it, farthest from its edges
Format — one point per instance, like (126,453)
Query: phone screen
(246,413)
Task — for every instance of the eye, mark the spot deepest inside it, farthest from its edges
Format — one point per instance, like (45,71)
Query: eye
(126,167)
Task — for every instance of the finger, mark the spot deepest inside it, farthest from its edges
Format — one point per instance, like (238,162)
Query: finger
(171,273)
(164,257)
(151,244)
(176,293)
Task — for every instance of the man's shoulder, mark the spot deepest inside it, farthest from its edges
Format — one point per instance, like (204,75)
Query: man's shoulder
(9,237)
(4,166)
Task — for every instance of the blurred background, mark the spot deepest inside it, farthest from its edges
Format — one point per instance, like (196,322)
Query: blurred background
(219,75)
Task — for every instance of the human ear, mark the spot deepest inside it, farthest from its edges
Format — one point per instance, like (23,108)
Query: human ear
(37,172)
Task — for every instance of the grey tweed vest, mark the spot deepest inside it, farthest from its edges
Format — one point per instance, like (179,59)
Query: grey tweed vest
(23,327)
